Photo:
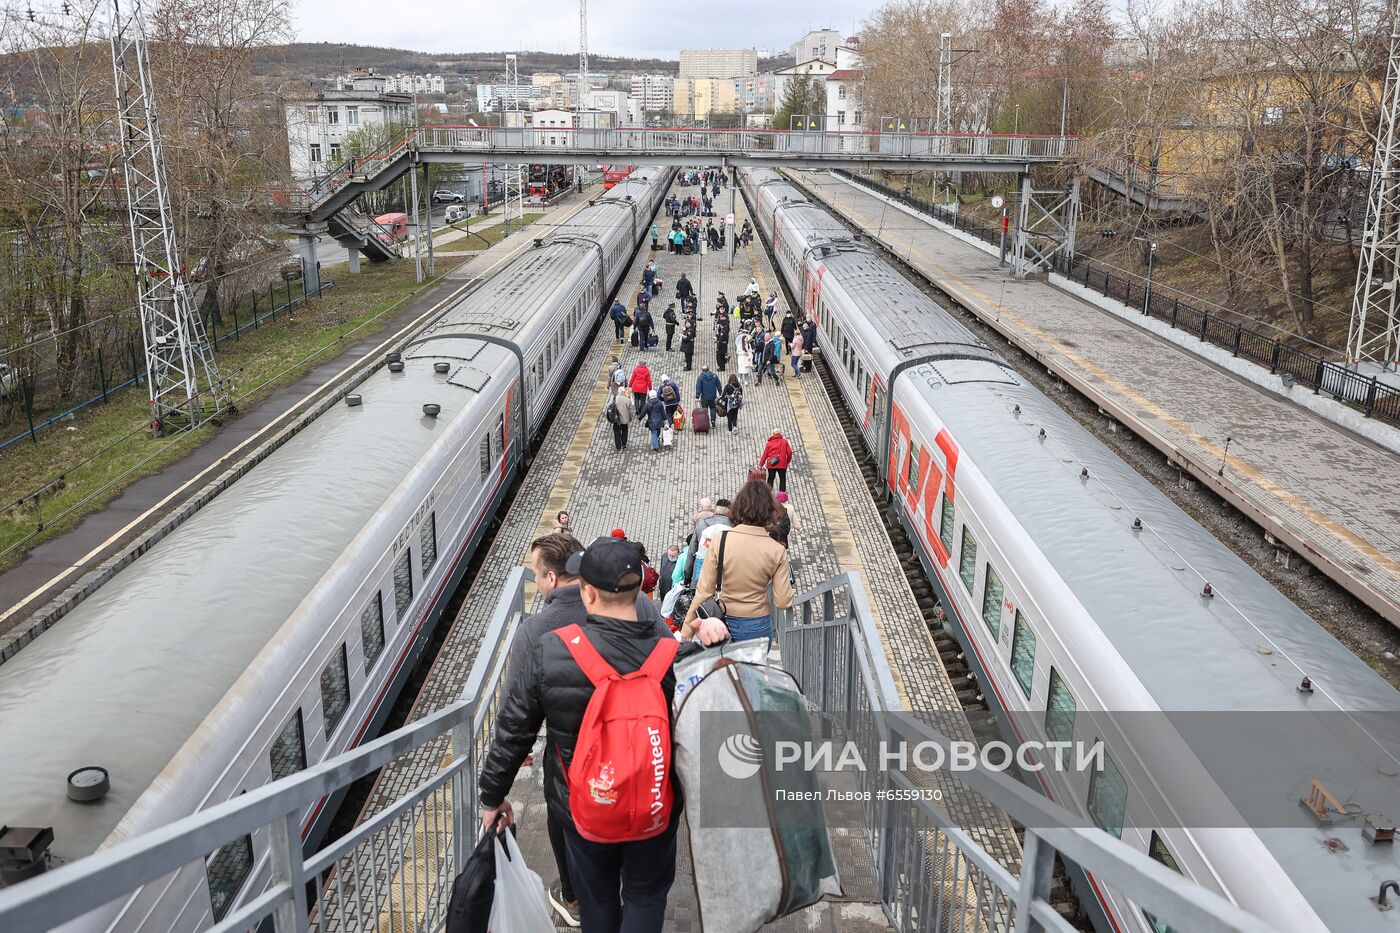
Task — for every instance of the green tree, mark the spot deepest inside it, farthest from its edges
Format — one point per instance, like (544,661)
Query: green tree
(801,95)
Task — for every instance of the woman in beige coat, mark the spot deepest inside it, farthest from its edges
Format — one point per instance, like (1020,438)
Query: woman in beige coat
(751,562)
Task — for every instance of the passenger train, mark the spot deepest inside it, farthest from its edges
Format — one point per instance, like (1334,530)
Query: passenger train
(1092,608)
(275,627)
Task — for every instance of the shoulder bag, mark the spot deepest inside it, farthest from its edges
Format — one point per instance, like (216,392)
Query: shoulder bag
(713,608)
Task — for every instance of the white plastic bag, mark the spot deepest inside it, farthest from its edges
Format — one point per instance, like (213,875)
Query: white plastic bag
(519,905)
(667,436)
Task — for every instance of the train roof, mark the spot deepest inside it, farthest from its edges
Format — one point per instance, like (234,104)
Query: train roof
(1227,667)
(126,677)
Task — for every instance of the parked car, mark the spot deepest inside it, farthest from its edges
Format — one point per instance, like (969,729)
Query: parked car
(448,196)
(457,212)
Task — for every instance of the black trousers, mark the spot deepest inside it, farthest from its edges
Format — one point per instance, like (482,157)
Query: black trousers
(689,354)
(670,332)
(781,474)
(619,330)
(620,435)
(622,886)
(721,356)
(638,400)
(732,416)
(556,838)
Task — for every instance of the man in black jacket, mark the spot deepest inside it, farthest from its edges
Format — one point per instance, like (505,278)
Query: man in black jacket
(549,557)
(548,687)
(688,341)
(684,290)
(669,316)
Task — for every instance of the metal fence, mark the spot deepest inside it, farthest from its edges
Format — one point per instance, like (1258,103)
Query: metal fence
(1367,394)
(394,871)
(39,390)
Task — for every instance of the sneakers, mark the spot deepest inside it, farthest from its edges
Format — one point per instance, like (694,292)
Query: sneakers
(568,912)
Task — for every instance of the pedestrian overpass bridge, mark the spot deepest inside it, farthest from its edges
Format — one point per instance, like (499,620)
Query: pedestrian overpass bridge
(849,149)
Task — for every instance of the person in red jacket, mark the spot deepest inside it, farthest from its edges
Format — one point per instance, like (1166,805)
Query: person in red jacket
(777,454)
(641,384)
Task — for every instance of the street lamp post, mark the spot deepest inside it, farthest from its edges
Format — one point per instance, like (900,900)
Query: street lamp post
(1147,290)
(1016,125)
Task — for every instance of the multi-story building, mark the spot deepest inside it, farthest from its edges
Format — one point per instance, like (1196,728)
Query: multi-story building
(698,98)
(845,87)
(718,63)
(759,93)
(654,92)
(551,126)
(819,44)
(612,102)
(493,97)
(815,68)
(397,84)
(318,128)
(545,78)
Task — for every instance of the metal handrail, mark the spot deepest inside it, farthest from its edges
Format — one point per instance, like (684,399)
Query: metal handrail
(395,870)
(69,892)
(903,832)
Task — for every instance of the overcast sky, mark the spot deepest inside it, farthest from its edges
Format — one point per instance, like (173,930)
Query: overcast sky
(642,28)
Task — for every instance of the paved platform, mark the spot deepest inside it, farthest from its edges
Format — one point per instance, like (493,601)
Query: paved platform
(650,495)
(53,565)
(1325,493)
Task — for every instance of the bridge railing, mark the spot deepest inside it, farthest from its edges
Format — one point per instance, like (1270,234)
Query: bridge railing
(637,142)
(395,871)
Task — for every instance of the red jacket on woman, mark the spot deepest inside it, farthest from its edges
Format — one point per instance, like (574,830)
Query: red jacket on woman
(777,446)
(641,379)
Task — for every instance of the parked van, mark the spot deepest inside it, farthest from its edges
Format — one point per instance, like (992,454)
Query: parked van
(395,226)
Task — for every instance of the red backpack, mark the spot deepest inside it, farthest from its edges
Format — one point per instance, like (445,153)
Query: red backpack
(620,778)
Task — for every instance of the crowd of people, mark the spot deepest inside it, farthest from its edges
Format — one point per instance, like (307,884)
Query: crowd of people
(609,611)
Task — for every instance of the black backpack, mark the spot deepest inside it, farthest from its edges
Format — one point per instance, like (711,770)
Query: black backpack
(668,394)
(474,890)
(612,414)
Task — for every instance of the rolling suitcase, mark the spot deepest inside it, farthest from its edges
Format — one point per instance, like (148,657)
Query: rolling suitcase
(635,340)
(700,420)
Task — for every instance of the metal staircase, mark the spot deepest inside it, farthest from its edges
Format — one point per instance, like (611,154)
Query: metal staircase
(354,229)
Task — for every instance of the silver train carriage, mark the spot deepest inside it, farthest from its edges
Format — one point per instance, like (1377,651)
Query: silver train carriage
(275,627)
(1077,588)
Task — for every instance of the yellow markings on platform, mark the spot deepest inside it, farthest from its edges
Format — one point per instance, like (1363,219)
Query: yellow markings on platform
(1238,463)
(416,885)
(572,467)
(838,522)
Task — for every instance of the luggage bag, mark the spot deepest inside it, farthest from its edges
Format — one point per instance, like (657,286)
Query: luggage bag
(700,420)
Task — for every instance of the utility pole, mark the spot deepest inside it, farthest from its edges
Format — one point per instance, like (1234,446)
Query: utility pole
(186,388)
(1374,334)
(515,183)
(582,78)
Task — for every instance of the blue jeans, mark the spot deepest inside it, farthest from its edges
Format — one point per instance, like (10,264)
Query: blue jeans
(742,629)
(655,438)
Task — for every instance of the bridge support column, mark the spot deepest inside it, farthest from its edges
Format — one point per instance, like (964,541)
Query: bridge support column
(310,266)
(428,210)
(1047,224)
(417,226)
(354,258)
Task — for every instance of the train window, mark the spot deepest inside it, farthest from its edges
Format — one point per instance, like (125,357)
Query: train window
(1158,850)
(1059,709)
(335,690)
(501,435)
(226,871)
(967,560)
(372,629)
(992,592)
(912,478)
(485,457)
(403,583)
(1023,654)
(1108,797)
(427,541)
(288,755)
(945,522)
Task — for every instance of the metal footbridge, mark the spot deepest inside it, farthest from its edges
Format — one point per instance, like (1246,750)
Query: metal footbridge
(395,871)
(850,149)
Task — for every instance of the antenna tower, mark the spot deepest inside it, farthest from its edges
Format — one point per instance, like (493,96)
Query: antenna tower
(515,181)
(582,54)
(1374,335)
(186,389)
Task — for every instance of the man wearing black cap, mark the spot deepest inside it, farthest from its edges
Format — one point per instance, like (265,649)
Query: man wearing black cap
(621,884)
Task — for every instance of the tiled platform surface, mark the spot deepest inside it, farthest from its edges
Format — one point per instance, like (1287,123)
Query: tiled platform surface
(1336,493)
(650,495)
